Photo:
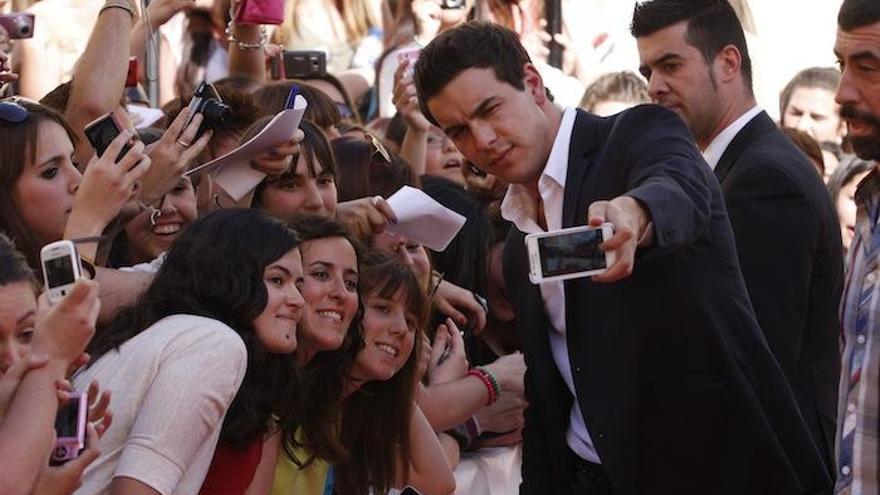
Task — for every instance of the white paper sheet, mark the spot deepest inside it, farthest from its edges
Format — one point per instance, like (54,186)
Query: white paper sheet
(233,171)
(422,219)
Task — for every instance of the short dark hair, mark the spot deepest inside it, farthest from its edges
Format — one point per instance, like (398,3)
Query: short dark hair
(13,265)
(813,77)
(480,45)
(711,26)
(857,13)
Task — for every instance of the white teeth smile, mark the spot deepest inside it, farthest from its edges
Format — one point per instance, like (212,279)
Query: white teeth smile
(333,315)
(167,229)
(387,349)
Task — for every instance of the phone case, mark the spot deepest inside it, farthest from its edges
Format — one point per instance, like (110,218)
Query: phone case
(61,268)
(571,264)
(70,428)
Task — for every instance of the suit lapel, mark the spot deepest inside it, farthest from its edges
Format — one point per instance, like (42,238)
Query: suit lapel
(754,129)
(583,140)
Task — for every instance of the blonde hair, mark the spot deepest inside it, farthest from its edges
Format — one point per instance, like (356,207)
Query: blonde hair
(357,16)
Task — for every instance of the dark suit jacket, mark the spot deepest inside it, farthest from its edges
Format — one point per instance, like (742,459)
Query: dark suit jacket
(676,382)
(788,240)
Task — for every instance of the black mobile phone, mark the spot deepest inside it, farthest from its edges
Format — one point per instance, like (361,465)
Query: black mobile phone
(103,131)
(304,64)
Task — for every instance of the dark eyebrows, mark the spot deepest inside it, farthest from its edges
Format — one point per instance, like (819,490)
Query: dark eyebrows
(54,159)
(481,109)
(667,57)
(864,56)
(25,317)
(283,269)
(645,69)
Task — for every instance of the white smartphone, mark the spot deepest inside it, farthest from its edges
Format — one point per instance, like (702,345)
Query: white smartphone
(61,268)
(568,253)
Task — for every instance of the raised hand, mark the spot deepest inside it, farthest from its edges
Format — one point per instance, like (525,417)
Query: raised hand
(448,359)
(171,155)
(106,187)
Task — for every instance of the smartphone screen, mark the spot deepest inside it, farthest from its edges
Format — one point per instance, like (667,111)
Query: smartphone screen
(66,420)
(571,253)
(102,132)
(59,271)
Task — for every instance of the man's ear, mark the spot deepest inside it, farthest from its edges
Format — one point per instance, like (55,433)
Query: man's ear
(534,84)
(730,62)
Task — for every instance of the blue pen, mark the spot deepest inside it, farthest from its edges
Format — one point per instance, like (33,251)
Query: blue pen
(291,97)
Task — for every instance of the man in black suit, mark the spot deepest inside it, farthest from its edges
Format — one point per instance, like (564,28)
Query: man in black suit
(653,377)
(694,55)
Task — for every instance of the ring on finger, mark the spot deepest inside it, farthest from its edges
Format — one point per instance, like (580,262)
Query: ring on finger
(183,143)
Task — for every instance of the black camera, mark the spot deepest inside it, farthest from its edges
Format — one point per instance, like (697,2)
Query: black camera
(300,64)
(453,4)
(206,101)
(18,25)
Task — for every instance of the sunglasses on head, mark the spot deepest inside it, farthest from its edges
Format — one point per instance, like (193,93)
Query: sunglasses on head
(12,112)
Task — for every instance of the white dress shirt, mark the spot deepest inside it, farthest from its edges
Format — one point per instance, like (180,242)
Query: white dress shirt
(718,146)
(519,208)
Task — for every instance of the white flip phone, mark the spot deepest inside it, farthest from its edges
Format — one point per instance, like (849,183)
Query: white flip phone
(61,268)
(568,253)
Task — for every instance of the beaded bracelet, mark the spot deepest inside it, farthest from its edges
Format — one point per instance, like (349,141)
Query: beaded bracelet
(242,45)
(489,380)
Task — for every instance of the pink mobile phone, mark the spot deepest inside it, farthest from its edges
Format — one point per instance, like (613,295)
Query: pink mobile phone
(411,55)
(70,429)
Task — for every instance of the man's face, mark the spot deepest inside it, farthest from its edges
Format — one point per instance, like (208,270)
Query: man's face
(680,79)
(858,53)
(813,110)
(503,130)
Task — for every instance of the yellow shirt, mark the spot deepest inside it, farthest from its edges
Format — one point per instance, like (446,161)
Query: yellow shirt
(290,479)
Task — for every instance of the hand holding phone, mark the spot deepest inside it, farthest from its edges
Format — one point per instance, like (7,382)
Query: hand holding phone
(568,253)
(61,269)
(70,429)
(62,330)
(632,229)
(103,130)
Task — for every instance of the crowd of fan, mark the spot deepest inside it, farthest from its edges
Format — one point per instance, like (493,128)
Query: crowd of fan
(284,342)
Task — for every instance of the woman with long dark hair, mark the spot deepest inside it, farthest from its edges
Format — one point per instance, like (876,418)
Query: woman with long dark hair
(379,439)
(224,300)
(43,195)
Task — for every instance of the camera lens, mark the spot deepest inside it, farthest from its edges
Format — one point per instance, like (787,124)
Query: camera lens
(214,113)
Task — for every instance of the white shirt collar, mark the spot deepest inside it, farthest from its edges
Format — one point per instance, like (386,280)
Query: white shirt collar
(718,146)
(518,206)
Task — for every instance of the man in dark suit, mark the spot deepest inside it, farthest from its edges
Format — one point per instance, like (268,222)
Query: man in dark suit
(694,55)
(653,377)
